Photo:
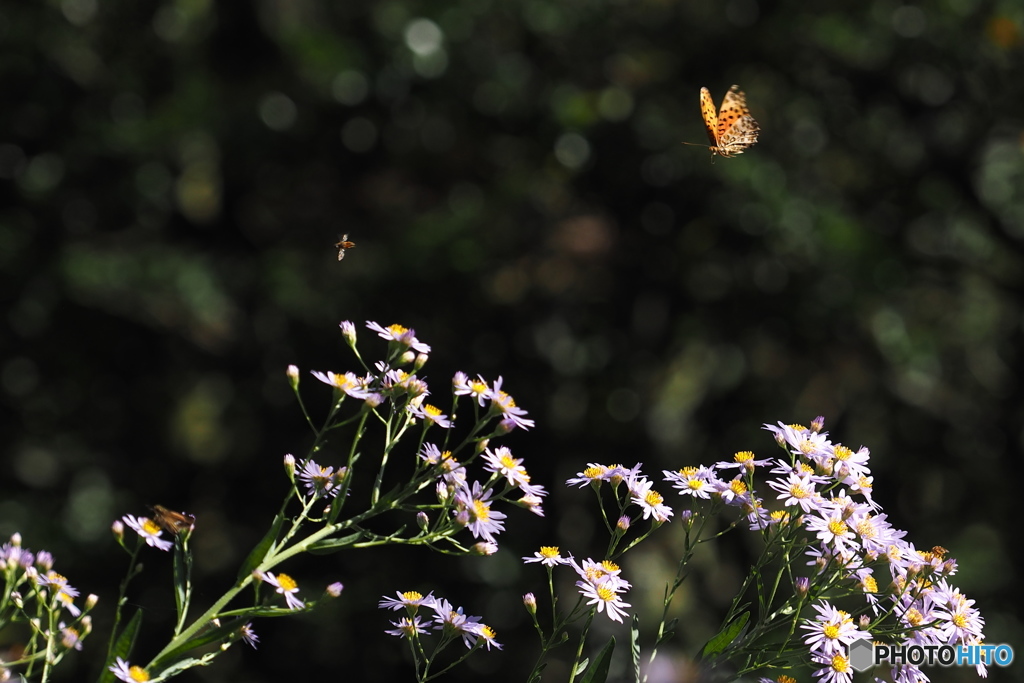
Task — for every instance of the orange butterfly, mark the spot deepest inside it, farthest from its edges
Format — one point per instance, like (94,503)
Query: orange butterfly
(343,245)
(733,129)
(172,522)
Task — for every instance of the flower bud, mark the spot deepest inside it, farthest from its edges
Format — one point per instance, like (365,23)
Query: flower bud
(16,539)
(505,426)
(86,623)
(818,424)
(803,586)
(421,360)
(91,601)
(407,357)
(622,526)
(289,465)
(348,332)
(484,548)
(422,521)
(334,590)
(118,528)
(293,377)
(17,599)
(44,560)
(530,602)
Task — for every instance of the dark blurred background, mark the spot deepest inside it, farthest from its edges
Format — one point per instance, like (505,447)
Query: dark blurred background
(173,176)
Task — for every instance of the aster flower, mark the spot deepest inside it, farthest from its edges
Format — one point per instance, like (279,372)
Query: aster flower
(500,461)
(349,383)
(410,600)
(650,501)
(407,627)
(483,522)
(831,530)
(128,673)
(249,636)
(484,633)
(502,403)
(399,334)
(743,460)
(832,631)
(475,388)
(286,586)
(605,597)
(698,482)
(455,621)
(70,637)
(322,481)
(149,530)
(603,572)
(548,555)
(796,489)
(837,668)
(431,414)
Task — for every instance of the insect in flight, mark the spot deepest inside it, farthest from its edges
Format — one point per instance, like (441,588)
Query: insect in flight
(172,522)
(343,245)
(733,129)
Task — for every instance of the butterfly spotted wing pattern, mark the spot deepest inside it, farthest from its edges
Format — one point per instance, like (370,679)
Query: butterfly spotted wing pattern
(733,129)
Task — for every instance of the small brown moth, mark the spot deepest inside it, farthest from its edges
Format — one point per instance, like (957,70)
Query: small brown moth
(343,245)
(172,522)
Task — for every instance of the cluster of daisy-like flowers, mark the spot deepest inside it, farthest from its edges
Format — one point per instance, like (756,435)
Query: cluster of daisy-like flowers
(450,621)
(831,485)
(600,583)
(35,593)
(825,490)
(825,507)
(470,502)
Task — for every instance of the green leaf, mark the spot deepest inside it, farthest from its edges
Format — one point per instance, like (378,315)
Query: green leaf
(668,632)
(182,580)
(728,634)
(122,647)
(262,548)
(598,673)
(581,667)
(634,646)
(333,545)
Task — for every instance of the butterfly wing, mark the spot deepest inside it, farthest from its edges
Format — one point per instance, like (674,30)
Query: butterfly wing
(707,110)
(735,128)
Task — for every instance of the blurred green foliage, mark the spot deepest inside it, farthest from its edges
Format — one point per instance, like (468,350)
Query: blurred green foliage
(173,175)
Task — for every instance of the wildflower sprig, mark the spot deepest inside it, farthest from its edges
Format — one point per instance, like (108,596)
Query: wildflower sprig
(39,603)
(813,590)
(448,485)
(451,623)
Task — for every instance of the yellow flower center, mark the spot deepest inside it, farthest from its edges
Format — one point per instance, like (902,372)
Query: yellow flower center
(152,528)
(743,456)
(286,583)
(412,596)
(653,498)
(549,551)
(137,673)
(481,510)
(838,527)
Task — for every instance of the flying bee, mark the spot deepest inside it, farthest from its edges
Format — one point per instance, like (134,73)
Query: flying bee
(172,522)
(343,245)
